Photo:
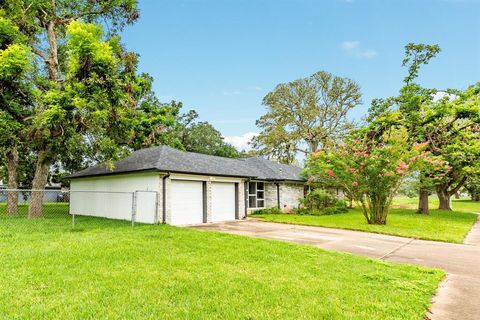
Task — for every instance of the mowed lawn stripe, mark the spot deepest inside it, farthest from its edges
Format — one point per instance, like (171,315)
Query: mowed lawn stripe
(110,270)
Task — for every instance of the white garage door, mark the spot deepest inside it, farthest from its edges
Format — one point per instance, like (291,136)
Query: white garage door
(186,202)
(223,201)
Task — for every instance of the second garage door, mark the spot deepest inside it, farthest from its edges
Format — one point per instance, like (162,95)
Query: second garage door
(223,201)
(187,202)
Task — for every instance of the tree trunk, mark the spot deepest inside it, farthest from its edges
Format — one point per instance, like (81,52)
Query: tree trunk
(423,201)
(444,198)
(457,195)
(378,210)
(12,166)
(476,197)
(35,210)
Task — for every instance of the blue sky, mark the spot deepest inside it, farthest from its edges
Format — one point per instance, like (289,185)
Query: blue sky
(221,57)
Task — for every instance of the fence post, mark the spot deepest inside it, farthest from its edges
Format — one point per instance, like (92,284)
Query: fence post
(134,207)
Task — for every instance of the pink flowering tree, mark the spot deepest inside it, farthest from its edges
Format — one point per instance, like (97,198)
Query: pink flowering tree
(369,169)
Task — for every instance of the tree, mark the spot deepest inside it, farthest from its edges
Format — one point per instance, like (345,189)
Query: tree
(155,122)
(370,166)
(45,24)
(306,114)
(472,185)
(16,102)
(448,127)
(451,126)
(92,109)
(202,137)
(410,99)
(409,102)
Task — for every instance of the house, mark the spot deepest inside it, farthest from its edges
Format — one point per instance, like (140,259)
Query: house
(182,188)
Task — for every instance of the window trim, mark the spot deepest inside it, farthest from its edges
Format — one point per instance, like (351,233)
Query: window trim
(255,195)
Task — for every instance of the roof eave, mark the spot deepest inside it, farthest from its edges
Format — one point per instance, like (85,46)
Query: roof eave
(157,170)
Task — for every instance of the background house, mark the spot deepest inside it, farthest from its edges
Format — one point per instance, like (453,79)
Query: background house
(182,188)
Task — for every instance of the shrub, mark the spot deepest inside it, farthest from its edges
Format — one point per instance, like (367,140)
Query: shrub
(273,210)
(321,202)
(318,199)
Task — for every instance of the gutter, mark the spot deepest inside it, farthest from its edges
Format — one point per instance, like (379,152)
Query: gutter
(164,197)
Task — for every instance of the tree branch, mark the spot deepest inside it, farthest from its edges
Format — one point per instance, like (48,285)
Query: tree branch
(459,185)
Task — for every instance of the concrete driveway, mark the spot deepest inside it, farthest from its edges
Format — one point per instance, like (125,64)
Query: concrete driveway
(459,294)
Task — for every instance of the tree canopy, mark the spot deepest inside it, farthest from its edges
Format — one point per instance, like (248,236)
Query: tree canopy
(306,114)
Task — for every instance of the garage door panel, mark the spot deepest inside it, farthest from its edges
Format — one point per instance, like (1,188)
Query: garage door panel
(186,202)
(223,201)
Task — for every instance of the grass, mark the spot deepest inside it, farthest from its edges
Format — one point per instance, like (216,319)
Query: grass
(462,205)
(447,226)
(110,270)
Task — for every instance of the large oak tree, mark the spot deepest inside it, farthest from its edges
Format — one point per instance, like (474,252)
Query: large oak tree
(306,114)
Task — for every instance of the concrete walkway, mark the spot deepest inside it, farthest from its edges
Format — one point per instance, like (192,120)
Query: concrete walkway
(473,236)
(459,294)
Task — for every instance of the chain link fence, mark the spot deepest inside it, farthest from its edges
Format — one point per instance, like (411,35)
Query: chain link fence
(75,210)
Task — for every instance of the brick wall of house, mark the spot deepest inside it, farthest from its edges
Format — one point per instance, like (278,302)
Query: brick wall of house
(289,194)
(270,195)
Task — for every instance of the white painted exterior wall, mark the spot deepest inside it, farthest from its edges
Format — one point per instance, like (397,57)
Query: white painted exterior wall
(100,202)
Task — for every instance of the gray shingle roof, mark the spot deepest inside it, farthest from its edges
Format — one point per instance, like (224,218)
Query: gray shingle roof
(268,170)
(166,159)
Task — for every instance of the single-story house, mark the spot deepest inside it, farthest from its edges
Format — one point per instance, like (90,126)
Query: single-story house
(182,188)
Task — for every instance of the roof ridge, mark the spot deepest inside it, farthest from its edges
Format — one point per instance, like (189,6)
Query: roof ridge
(196,153)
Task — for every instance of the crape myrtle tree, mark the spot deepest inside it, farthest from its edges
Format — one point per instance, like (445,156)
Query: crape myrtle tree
(369,165)
(70,68)
(16,66)
(306,114)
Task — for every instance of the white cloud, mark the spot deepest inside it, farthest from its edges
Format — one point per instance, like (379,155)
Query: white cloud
(350,45)
(241,142)
(354,49)
(439,95)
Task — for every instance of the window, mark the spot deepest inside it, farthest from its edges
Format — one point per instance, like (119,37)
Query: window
(256,194)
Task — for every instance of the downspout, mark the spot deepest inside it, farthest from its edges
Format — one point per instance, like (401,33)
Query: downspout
(164,197)
(278,194)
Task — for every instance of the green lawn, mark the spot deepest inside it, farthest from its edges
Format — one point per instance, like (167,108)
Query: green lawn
(463,204)
(439,225)
(107,269)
